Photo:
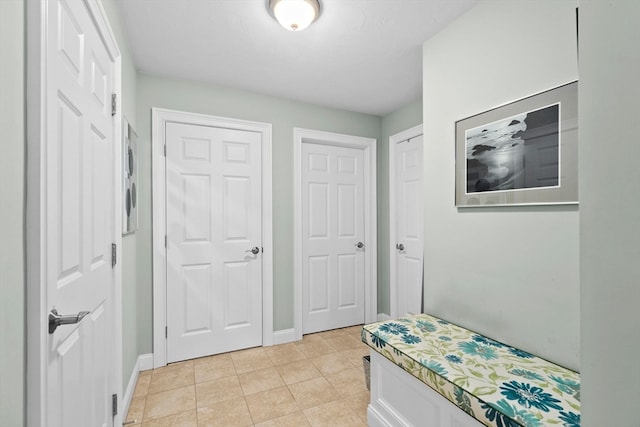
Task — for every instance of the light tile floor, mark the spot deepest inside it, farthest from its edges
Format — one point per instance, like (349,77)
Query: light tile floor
(318,381)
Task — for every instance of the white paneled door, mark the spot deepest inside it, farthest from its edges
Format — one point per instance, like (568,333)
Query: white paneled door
(214,258)
(333,237)
(409,229)
(79,218)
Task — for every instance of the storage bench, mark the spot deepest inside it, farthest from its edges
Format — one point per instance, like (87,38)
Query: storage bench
(489,382)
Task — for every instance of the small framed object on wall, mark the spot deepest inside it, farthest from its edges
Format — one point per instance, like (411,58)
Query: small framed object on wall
(521,153)
(129,179)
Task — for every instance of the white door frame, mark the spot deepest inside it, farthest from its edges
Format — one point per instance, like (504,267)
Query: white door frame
(159,119)
(36,299)
(368,145)
(394,140)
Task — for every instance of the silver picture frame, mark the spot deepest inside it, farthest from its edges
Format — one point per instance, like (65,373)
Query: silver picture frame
(521,153)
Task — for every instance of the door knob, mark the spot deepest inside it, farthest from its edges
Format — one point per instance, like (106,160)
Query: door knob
(56,319)
(254,250)
(400,246)
(359,245)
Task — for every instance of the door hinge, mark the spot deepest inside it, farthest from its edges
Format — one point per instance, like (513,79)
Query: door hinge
(113,104)
(114,405)
(165,240)
(113,254)
(166,332)
(165,150)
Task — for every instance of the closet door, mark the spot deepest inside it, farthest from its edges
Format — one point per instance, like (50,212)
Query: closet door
(409,229)
(214,248)
(333,237)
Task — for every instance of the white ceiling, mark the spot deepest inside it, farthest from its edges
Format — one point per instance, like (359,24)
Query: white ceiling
(360,55)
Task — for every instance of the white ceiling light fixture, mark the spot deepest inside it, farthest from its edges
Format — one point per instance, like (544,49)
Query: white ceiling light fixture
(295,15)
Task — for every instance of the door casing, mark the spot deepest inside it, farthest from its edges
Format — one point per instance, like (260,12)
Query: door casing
(394,140)
(37,307)
(368,146)
(159,119)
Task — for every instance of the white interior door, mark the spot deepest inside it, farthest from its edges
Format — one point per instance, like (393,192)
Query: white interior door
(409,229)
(214,232)
(332,230)
(79,218)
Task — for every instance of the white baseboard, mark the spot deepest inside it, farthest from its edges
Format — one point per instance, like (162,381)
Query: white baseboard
(144,363)
(383,317)
(284,336)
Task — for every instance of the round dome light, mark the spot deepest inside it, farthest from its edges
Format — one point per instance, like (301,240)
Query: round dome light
(295,15)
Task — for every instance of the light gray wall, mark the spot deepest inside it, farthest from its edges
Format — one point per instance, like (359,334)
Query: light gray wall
(12,211)
(403,118)
(284,115)
(609,97)
(510,273)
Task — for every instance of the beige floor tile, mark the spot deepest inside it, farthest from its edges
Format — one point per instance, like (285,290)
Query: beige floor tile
(316,348)
(260,380)
(171,376)
(213,367)
(142,385)
(309,338)
(332,414)
(358,336)
(296,372)
(343,342)
(313,392)
(270,404)
(359,403)
(333,333)
(331,363)
(286,353)
(136,409)
(183,419)
(348,382)
(247,387)
(354,330)
(218,390)
(250,360)
(296,419)
(232,412)
(146,373)
(170,402)
(354,355)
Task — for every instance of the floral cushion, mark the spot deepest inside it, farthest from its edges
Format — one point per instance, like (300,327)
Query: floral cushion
(497,384)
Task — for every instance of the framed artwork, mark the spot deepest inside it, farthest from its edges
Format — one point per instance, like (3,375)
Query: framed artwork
(521,153)
(129,179)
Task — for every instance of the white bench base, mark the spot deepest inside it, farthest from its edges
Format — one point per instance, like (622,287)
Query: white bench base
(400,399)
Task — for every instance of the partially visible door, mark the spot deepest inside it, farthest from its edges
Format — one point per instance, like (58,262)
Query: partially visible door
(79,217)
(409,229)
(333,232)
(214,232)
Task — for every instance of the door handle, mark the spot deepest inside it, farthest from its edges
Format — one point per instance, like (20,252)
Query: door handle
(359,245)
(400,246)
(56,319)
(254,250)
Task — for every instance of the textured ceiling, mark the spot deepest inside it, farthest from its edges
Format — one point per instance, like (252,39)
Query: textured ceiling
(360,55)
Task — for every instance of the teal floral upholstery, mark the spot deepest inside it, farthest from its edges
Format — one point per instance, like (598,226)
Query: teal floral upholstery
(497,384)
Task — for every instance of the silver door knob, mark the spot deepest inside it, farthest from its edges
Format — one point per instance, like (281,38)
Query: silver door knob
(359,245)
(254,250)
(56,319)
(400,246)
